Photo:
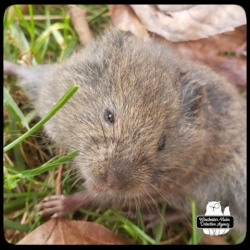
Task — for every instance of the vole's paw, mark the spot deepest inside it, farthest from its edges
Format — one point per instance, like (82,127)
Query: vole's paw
(59,205)
(55,205)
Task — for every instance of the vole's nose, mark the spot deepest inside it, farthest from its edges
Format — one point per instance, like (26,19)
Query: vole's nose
(115,180)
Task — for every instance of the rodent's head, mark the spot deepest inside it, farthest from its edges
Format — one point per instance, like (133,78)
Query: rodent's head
(135,115)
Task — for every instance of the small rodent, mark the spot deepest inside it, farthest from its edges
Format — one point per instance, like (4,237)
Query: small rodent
(150,125)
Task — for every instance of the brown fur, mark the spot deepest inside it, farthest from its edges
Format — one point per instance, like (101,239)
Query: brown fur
(152,93)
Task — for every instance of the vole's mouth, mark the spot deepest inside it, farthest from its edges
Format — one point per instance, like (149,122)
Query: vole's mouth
(98,189)
(113,196)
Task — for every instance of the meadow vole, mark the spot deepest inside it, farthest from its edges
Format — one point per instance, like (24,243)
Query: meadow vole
(150,126)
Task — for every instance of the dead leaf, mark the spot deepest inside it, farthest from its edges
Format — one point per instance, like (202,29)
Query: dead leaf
(234,69)
(209,51)
(185,23)
(167,8)
(62,231)
(125,19)
(192,22)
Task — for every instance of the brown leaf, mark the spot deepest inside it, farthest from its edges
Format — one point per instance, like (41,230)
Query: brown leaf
(209,51)
(212,50)
(62,231)
(192,22)
(125,19)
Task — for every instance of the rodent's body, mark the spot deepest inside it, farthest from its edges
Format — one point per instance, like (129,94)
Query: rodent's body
(150,125)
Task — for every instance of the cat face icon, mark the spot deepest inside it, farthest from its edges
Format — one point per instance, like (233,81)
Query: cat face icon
(213,205)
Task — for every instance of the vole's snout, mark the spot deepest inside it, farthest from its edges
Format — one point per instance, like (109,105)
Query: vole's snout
(115,180)
(117,175)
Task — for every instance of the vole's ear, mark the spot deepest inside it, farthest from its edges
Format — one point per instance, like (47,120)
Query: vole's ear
(192,97)
(121,36)
(127,33)
(10,68)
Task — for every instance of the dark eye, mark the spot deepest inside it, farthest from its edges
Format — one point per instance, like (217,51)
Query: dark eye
(161,143)
(109,117)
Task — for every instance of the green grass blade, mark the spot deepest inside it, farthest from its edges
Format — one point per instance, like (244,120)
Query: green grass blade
(59,39)
(32,24)
(140,220)
(30,116)
(134,235)
(41,39)
(46,43)
(194,228)
(158,229)
(140,224)
(100,217)
(47,166)
(20,39)
(69,49)
(14,133)
(70,92)
(15,225)
(7,22)
(66,21)
(142,235)
(98,15)
(199,233)
(15,203)
(23,21)
(240,239)
(8,101)
(25,194)
(10,168)
(10,181)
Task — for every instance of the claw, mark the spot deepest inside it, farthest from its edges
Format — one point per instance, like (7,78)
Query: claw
(59,205)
